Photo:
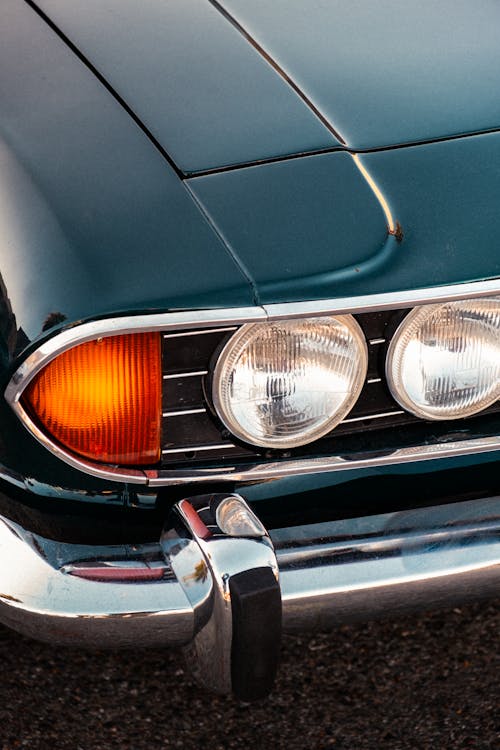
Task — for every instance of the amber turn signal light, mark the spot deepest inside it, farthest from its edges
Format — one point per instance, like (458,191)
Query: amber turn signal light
(102,399)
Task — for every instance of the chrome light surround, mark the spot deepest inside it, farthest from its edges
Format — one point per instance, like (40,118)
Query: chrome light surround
(443,361)
(287,383)
(204,319)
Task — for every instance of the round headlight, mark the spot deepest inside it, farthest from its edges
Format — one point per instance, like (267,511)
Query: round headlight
(284,384)
(444,360)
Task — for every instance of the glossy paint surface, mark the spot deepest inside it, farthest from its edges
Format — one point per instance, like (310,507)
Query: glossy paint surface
(290,220)
(92,218)
(95,222)
(386,72)
(205,93)
(444,195)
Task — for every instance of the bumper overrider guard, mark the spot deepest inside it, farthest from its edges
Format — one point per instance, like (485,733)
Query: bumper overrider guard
(220,585)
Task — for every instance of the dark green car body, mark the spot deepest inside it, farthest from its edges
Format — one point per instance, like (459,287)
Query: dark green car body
(193,155)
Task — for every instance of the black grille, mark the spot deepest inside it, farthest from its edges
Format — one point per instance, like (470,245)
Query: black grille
(189,429)
(192,433)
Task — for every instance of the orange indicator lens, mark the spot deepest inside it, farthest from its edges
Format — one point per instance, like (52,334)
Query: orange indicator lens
(102,399)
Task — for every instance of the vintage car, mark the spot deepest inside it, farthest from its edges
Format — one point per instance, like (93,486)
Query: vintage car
(250,320)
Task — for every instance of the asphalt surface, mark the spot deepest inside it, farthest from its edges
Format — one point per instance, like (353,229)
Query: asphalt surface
(427,682)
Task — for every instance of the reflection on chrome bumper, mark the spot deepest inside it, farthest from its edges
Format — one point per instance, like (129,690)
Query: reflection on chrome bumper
(178,591)
(389,564)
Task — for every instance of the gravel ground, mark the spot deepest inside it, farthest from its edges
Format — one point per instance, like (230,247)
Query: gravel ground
(428,682)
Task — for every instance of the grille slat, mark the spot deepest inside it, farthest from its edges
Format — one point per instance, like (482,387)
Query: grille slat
(183,412)
(373,416)
(196,448)
(185,374)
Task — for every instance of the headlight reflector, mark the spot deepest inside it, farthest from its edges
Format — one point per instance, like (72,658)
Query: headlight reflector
(444,360)
(284,384)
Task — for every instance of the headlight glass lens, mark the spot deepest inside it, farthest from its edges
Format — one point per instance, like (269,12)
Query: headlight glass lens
(444,360)
(284,384)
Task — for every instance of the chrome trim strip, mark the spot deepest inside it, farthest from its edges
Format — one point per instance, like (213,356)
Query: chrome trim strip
(215,319)
(296,467)
(387,301)
(378,193)
(372,342)
(373,380)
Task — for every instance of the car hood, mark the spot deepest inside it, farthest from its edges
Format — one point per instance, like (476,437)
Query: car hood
(234,81)
(93,220)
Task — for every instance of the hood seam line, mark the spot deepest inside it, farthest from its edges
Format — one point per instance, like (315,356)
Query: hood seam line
(225,244)
(109,88)
(279,70)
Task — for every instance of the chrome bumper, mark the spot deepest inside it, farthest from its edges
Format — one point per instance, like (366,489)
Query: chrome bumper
(179,591)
